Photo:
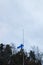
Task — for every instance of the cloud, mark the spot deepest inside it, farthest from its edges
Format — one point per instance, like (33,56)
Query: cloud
(18,14)
(4,29)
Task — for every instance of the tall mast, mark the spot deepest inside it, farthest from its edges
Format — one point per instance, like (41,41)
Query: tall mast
(23,44)
(23,36)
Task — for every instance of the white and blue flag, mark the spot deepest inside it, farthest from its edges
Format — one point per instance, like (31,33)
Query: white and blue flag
(21,46)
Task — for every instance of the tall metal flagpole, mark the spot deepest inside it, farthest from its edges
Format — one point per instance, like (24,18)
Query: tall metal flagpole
(23,44)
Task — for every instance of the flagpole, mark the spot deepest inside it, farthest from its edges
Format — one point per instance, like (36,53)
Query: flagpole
(23,44)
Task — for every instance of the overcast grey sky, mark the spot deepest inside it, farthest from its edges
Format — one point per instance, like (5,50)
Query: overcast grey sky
(16,15)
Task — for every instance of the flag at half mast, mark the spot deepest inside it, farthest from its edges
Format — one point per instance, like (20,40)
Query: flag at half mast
(21,46)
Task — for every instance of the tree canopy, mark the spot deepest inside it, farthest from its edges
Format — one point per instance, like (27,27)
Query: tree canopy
(8,58)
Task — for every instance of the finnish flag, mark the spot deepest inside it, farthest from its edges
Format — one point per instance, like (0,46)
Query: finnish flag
(21,46)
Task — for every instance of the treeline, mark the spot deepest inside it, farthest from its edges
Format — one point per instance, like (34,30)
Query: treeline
(7,57)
